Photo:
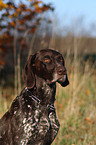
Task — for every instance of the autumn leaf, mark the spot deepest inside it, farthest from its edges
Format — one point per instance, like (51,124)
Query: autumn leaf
(0,49)
(19,10)
(2,5)
(39,10)
(13,24)
(87,92)
(2,61)
(10,16)
(21,22)
(22,6)
(11,7)
(32,30)
(0,35)
(87,119)
(28,10)
(21,28)
(5,35)
(36,6)
(27,17)
(15,14)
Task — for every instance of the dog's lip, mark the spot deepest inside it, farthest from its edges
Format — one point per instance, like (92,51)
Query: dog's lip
(60,78)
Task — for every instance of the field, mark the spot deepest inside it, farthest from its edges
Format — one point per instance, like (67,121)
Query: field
(23,33)
(75,105)
(76,109)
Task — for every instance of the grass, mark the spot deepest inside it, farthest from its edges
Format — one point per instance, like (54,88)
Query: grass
(6,97)
(76,109)
(75,106)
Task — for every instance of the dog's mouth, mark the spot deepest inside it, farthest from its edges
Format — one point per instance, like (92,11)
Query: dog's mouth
(59,79)
(62,79)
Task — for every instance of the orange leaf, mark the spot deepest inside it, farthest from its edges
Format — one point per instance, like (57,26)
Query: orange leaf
(19,10)
(0,35)
(0,49)
(21,28)
(87,119)
(10,6)
(39,10)
(22,42)
(28,10)
(32,30)
(15,14)
(10,16)
(2,5)
(2,62)
(22,6)
(36,6)
(12,24)
(21,22)
(5,35)
(87,92)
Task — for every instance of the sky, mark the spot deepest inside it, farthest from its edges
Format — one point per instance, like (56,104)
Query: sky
(68,10)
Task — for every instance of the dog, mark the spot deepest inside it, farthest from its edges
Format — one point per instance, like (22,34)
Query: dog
(31,119)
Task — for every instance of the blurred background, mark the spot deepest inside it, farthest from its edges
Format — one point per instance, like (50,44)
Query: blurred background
(69,27)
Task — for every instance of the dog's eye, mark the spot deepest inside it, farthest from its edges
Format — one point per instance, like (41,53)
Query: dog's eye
(61,60)
(46,60)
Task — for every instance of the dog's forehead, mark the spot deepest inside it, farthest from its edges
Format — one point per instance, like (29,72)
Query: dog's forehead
(48,52)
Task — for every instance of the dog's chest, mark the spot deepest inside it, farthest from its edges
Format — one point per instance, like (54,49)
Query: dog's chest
(38,124)
(48,92)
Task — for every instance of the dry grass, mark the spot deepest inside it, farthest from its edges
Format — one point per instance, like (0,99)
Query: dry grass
(76,109)
(75,105)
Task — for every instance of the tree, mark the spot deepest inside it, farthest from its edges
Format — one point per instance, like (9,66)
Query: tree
(16,21)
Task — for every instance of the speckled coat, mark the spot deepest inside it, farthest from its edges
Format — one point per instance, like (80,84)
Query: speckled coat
(29,122)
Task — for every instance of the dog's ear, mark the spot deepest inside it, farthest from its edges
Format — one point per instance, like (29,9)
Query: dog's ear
(28,75)
(66,82)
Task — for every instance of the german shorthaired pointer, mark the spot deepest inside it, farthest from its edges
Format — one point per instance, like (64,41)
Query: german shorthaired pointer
(31,119)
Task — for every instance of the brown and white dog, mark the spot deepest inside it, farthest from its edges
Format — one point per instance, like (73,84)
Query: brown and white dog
(31,119)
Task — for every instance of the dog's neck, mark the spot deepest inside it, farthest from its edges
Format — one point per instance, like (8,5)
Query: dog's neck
(44,91)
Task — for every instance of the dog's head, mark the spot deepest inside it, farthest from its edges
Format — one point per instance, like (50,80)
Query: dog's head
(47,64)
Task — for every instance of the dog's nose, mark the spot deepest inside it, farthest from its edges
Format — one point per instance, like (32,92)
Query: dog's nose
(61,70)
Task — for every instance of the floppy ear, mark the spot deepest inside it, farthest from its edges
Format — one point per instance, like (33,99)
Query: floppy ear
(28,75)
(66,82)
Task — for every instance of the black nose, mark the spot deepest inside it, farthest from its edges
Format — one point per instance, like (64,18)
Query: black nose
(61,70)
